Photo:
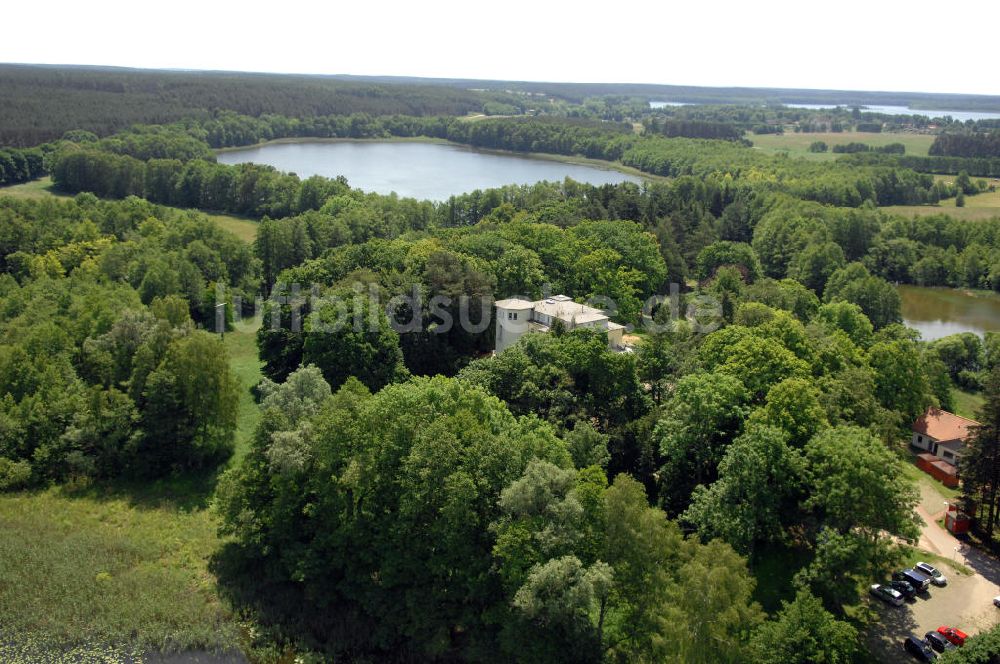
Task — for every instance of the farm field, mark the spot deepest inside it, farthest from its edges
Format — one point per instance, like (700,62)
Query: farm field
(797,145)
(980,206)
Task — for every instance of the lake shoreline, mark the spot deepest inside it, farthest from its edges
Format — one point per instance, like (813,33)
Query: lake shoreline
(939,311)
(576,160)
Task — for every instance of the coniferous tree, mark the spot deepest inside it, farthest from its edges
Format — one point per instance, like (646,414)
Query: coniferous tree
(980,460)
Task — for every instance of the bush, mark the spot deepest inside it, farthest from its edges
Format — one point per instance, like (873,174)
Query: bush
(818,146)
(14,474)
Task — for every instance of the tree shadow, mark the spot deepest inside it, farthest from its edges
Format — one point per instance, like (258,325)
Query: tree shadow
(189,490)
(291,620)
(981,562)
(885,637)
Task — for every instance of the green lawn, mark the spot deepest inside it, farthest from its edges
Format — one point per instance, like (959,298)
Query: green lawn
(797,145)
(244,228)
(242,347)
(967,404)
(41,188)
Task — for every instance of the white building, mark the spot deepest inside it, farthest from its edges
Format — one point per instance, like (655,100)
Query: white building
(941,433)
(516,317)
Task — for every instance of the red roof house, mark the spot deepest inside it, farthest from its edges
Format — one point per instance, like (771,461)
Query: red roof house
(942,433)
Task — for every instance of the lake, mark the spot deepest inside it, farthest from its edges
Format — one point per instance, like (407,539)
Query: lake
(428,171)
(961,116)
(938,312)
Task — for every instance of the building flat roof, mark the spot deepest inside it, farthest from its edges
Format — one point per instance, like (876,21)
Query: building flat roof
(568,310)
(514,303)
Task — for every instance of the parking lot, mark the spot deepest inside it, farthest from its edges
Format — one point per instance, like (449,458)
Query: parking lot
(966,602)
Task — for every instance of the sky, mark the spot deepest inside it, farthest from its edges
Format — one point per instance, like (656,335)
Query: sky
(848,44)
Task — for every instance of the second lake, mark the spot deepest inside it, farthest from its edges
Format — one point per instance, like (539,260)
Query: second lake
(430,171)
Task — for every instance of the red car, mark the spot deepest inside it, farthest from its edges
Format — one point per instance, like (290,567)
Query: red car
(956,636)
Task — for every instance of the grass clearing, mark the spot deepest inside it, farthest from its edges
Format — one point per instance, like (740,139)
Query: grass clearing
(92,570)
(797,145)
(41,188)
(107,573)
(977,207)
(242,346)
(967,404)
(244,228)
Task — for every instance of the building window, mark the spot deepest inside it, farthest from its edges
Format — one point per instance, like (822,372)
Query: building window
(948,455)
(920,438)
(515,316)
(509,315)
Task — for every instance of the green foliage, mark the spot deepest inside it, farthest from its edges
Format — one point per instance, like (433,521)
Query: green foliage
(704,412)
(14,474)
(754,495)
(418,468)
(736,254)
(901,382)
(856,484)
(804,632)
(758,361)
(980,461)
(359,344)
(876,297)
(793,406)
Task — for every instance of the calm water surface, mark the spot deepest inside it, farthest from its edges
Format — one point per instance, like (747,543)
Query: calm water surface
(431,171)
(938,312)
(961,116)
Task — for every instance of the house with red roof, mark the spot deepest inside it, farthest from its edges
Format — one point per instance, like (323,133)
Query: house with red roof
(942,434)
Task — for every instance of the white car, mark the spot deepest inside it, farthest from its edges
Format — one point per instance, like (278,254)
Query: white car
(996,601)
(937,578)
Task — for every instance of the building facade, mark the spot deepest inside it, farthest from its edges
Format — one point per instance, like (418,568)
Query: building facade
(516,317)
(942,434)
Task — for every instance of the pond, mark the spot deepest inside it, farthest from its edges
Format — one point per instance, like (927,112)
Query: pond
(431,171)
(938,312)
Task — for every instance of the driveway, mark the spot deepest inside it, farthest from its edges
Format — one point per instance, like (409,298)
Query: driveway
(966,602)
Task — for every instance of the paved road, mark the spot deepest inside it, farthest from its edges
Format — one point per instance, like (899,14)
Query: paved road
(966,602)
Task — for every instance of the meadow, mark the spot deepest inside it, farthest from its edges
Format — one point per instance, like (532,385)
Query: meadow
(977,207)
(797,145)
(242,227)
(107,573)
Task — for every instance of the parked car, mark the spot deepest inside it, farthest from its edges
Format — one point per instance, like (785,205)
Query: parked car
(905,589)
(937,578)
(914,578)
(996,601)
(953,634)
(887,594)
(919,648)
(938,642)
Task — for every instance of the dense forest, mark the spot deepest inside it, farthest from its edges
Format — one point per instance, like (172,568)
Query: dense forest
(39,104)
(725,493)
